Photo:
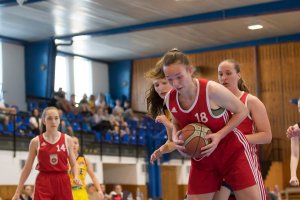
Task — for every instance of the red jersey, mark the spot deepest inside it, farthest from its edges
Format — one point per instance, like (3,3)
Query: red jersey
(52,157)
(231,160)
(246,126)
(200,110)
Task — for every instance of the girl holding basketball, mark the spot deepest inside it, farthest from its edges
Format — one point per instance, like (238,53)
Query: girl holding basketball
(53,150)
(155,105)
(256,127)
(209,103)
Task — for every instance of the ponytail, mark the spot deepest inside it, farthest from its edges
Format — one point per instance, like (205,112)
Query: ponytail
(242,86)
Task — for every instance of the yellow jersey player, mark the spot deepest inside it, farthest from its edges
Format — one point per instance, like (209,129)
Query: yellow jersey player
(84,166)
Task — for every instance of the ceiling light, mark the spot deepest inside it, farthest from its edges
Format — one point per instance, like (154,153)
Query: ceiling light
(81,37)
(255,27)
(64,42)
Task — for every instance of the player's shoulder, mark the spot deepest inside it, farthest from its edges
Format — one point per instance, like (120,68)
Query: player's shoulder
(66,136)
(252,98)
(35,139)
(254,102)
(214,87)
(34,142)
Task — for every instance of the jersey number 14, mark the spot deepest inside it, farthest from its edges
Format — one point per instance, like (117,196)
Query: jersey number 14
(61,148)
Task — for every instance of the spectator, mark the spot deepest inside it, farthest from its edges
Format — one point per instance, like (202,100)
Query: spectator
(276,192)
(118,108)
(271,196)
(92,193)
(84,106)
(4,118)
(101,122)
(101,102)
(27,193)
(73,101)
(60,93)
(74,106)
(65,125)
(117,193)
(121,124)
(92,104)
(103,188)
(35,122)
(61,101)
(128,112)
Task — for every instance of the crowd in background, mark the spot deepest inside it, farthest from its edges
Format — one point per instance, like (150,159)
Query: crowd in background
(96,112)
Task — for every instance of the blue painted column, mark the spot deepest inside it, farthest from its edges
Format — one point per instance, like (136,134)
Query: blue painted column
(154,187)
(120,73)
(40,68)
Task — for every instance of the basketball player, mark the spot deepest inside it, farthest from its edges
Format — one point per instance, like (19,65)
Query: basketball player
(207,102)
(293,132)
(256,127)
(53,150)
(155,105)
(85,166)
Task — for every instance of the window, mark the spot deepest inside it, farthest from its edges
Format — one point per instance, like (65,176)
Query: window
(62,75)
(82,77)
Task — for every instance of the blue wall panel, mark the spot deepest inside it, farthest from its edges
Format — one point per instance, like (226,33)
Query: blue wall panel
(120,79)
(39,68)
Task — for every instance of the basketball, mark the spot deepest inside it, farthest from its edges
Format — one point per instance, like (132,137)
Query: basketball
(193,136)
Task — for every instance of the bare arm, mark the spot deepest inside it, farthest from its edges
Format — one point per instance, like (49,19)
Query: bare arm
(294,156)
(167,123)
(222,97)
(8,110)
(27,167)
(293,131)
(72,161)
(263,134)
(93,177)
(169,146)
(219,96)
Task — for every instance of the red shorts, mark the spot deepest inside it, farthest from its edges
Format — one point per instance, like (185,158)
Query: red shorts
(53,186)
(231,161)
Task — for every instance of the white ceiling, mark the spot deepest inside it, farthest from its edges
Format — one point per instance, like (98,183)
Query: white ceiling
(103,24)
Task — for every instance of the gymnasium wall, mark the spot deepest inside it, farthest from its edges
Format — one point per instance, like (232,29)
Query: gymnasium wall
(13,76)
(100,77)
